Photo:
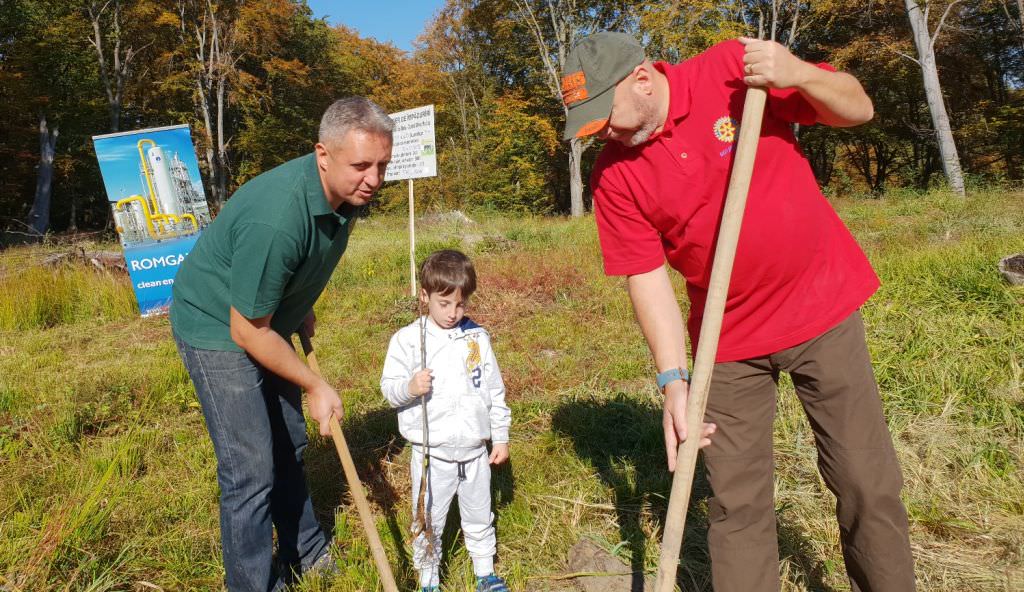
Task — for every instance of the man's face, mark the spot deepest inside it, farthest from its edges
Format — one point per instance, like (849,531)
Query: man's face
(352,170)
(446,310)
(634,116)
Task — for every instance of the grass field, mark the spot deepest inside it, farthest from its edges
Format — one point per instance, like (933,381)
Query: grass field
(107,475)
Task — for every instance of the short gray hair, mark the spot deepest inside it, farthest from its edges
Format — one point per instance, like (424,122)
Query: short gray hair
(353,113)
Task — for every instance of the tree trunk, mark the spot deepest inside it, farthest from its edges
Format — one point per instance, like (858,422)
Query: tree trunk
(1018,23)
(73,216)
(1020,15)
(213,39)
(222,149)
(211,159)
(923,40)
(115,73)
(575,177)
(39,215)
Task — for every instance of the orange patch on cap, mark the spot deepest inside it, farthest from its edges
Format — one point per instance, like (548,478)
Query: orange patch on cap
(574,87)
(592,127)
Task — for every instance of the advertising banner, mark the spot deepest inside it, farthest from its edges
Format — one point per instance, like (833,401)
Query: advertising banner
(159,206)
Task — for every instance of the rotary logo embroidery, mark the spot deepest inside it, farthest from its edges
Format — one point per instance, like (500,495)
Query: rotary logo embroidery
(725,129)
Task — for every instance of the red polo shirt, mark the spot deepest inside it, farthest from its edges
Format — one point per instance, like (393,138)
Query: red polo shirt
(798,271)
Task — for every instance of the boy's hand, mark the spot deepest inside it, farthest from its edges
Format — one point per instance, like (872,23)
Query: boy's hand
(421,382)
(499,453)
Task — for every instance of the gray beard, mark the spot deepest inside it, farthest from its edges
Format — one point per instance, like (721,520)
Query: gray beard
(644,133)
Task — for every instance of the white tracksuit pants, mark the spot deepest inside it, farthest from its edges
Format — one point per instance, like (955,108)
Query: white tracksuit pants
(474,491)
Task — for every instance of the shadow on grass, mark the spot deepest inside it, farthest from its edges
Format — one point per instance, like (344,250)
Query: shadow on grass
(622,438)
(374,440)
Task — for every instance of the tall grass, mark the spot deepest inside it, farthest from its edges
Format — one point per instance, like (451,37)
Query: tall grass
(34,296)
(109,478)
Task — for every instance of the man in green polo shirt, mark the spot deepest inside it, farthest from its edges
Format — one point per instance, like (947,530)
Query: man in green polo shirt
(249,283)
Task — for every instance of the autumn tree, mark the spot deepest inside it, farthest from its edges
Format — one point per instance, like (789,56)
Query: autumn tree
(48,89)
(555,26)
(924,40)
(286,79)
(209,50)
(252,78)
(452,47)
(118,36)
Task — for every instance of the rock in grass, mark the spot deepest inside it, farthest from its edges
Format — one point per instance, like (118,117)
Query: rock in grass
(599,571)
(1012,268)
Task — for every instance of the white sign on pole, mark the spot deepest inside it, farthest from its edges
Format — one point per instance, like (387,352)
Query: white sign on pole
(413,152)
(413,156)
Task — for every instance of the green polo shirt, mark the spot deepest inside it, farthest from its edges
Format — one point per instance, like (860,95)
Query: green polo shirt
(271,250)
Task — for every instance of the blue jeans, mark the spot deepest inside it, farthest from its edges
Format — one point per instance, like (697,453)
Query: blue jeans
(255,420)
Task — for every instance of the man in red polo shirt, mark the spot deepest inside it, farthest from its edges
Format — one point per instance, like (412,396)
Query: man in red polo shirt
(798,282)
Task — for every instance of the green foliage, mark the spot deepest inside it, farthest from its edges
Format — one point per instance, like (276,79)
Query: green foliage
(45,70)
(681,30)
(514,151)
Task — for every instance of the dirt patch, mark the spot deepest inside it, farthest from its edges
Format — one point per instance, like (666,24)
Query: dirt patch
(601,572)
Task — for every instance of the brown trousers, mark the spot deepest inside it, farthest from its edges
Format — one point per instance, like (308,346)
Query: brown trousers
(836,385)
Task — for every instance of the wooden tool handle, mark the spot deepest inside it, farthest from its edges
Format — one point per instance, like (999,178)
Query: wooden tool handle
(710,330)
(387,578)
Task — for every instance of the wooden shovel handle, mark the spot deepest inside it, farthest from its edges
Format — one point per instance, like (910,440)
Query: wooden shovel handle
(387,578)
(710,330)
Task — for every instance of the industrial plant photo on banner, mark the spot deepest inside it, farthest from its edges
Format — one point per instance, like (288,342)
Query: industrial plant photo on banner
(158,203)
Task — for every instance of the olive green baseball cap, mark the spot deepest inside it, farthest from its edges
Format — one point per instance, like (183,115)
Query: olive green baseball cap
(594,66)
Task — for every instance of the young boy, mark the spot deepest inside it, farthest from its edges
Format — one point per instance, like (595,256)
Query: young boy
(465,404)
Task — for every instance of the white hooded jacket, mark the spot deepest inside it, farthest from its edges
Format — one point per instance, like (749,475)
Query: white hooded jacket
(466,405)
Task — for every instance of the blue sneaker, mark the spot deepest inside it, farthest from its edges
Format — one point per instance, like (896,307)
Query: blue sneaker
(430,589)
(491,583)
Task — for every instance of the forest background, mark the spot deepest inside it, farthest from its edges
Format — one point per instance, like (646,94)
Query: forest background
(109,475)
(252,77)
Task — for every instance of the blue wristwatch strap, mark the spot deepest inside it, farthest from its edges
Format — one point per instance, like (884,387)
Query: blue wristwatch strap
(672,374)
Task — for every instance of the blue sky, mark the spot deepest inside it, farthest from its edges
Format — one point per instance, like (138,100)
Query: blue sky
(397,21)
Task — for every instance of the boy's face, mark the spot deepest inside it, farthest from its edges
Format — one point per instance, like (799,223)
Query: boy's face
(444,309)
